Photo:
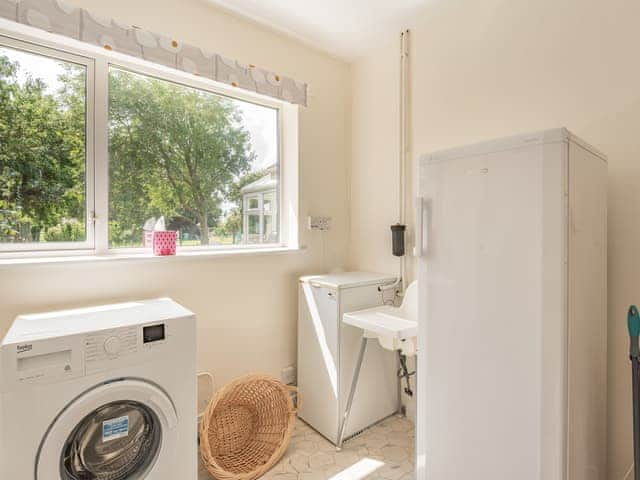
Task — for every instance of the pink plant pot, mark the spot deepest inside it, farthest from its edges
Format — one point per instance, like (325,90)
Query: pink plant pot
(164,242)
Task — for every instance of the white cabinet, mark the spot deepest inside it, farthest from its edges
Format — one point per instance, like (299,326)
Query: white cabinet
(327,351)
(512,328)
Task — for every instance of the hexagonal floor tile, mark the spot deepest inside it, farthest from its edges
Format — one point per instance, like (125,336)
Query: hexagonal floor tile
(384,451)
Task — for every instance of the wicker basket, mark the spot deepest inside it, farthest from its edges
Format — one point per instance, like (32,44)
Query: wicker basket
(247,427)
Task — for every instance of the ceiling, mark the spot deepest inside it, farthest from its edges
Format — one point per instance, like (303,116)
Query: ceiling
(343,28)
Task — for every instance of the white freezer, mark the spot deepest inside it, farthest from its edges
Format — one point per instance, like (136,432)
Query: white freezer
(512,331)
(327,352)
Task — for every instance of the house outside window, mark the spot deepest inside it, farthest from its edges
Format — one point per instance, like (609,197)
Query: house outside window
(260,209)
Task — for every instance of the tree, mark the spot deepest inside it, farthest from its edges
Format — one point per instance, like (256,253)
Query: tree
(41,157)
(173,150)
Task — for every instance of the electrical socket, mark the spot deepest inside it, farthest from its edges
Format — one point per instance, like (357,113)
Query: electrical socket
(288,375)
(319,223)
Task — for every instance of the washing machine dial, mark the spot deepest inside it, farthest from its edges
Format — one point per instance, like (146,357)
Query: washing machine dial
(112,345)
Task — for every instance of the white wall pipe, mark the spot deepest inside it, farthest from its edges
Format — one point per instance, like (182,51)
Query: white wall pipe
(402,153)
(404,106)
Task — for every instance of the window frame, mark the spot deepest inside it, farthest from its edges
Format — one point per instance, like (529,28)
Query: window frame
(248,212)
(97,148)
(89,177)
(260,212)
(163,73)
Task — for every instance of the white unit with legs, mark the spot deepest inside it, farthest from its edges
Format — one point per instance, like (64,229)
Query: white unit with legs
(512,311)
(328,351)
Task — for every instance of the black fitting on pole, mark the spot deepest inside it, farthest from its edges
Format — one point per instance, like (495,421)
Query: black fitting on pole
(397,239)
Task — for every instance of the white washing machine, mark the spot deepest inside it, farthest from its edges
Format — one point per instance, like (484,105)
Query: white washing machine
(102,393)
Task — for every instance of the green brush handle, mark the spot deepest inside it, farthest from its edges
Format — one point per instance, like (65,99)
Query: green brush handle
(633,324)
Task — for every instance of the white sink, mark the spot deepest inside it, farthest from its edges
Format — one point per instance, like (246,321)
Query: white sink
(384,321)
(396,328)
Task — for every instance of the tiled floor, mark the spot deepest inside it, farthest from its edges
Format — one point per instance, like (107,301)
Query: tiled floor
(382,452)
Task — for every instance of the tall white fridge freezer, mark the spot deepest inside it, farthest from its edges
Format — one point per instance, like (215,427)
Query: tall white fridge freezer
(511,240)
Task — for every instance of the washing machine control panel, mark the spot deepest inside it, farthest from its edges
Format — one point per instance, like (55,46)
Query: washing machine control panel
(108,349)
(104,342)
(110,344)
(37,361)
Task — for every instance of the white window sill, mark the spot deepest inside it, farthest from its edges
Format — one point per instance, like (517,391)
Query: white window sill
(34,258)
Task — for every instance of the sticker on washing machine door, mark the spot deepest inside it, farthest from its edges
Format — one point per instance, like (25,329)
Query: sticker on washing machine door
(115,428)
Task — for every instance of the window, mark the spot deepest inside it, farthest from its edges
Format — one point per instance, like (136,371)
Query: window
(254,228)
(94,151)
(44,188)
(185,155)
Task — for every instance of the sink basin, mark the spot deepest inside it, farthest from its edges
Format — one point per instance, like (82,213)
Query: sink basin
(396,328)
(384,321)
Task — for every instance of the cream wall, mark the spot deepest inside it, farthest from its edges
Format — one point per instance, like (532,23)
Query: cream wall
(487,69)
(246,305)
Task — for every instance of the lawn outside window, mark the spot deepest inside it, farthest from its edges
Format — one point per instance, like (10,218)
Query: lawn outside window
(128,142)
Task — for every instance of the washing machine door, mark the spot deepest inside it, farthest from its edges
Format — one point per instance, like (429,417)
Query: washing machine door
(121,430)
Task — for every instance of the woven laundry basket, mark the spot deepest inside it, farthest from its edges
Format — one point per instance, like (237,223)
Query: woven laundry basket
(247,427)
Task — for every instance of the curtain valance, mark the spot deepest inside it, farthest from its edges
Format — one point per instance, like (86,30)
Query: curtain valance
(57,17)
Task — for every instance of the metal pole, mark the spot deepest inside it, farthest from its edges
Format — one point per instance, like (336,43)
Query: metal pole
(354,382)
(636,417)
(633,324)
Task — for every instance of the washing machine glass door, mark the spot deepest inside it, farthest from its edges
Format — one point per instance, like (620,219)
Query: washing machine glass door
(122,430)
(117,441)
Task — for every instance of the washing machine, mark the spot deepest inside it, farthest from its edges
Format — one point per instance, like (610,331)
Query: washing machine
(102,393)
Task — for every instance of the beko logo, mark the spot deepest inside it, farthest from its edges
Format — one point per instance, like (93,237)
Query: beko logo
(25,348)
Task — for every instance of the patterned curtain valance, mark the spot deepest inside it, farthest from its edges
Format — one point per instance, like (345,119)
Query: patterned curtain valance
(57,17)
